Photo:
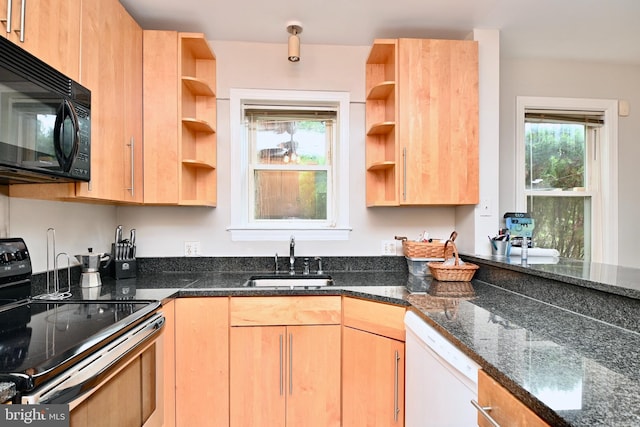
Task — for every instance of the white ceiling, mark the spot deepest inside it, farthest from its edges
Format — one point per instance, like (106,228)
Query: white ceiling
(598,30)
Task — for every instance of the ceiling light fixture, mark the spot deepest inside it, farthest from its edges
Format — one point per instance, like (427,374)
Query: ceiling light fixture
(294,29)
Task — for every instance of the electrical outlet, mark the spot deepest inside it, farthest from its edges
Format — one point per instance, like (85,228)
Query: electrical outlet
(388,247)
(191,248)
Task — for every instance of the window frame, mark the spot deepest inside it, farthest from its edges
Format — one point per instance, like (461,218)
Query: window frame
(603,191)
(241,227)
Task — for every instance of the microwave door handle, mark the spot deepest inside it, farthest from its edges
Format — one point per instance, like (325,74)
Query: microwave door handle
(66,110)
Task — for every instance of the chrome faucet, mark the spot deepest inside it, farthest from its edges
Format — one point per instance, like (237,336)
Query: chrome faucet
(292,256)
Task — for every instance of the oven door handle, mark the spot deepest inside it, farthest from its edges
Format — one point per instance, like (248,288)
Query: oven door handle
(91,372)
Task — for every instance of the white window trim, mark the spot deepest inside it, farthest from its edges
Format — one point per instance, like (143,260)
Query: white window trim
(604,229)
(240,228)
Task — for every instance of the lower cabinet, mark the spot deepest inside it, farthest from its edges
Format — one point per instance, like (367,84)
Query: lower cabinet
(372,364)
(372,380)
(505,408)
(169,363)
(202,361)
(285,376)
(285,361)
(127,399)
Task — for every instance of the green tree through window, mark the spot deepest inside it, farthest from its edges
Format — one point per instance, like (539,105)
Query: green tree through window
(555,163)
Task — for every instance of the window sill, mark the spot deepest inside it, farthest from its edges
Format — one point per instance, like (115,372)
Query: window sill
(247,234)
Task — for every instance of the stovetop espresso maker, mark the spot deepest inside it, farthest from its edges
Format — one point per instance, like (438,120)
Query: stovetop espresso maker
(91,264)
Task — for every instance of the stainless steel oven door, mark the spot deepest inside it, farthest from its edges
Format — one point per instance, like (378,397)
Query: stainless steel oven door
(130,368)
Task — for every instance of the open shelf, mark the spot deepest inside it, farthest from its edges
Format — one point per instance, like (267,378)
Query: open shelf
(198,87)
(377,166)
(197,164)
(197,125)
(381,91)
(381,128)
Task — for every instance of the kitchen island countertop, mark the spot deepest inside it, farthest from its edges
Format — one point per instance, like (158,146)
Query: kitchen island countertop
(569,368)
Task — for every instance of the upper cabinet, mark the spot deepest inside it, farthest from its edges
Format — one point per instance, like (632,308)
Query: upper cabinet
(180,130)
(113,73)
(422,122)
(49,30)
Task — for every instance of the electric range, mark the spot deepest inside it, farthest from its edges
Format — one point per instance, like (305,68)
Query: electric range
(43,341)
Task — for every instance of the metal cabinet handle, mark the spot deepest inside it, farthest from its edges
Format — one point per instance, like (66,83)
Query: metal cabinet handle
(290,363)
(396,386)
(9,12)
(131,146)
(22,16)
(404,174)
(281,376)
(485,413)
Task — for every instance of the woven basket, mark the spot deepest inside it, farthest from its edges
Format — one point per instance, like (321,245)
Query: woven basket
(452,273)
(413,249)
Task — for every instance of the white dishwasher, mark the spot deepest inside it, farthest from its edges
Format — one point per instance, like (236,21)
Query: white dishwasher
(440,379)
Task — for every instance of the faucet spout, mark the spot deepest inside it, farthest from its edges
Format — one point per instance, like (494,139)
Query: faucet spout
(292,255)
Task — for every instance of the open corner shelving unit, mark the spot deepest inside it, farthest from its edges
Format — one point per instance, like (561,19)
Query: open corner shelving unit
(381,131)
(197,110)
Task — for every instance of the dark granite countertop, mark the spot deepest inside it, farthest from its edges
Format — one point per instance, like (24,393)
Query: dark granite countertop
(570,368)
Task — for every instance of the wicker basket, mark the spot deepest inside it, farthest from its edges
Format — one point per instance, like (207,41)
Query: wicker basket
(414,249)
(452,273)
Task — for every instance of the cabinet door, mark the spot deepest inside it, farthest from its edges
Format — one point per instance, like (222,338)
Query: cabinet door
(313,376)
(506,409)
(51,31)
(103,74)
(437,126)
(285,376)
(257,376)
(202,361)
(169,362)
(372,380)
(132,109)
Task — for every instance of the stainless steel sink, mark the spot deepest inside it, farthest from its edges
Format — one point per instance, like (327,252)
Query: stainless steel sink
(307,281)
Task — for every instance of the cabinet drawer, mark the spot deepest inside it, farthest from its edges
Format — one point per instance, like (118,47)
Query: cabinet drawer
(379,318)
(312,310)
(506,409)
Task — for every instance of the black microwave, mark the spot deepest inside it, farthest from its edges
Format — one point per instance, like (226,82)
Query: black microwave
(45,121)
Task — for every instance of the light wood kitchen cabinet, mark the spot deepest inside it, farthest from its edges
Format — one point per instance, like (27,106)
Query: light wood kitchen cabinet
(51,31)
(169,364)
(505,408)
(111,45)
(422,123)
(202,361)
(113,73)
(180,130)
(285,361)
(127,399)
(372,364)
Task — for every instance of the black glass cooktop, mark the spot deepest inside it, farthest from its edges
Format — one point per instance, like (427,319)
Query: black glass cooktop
(39,339)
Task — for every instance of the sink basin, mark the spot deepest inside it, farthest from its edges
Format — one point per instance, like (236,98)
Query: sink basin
(307,281)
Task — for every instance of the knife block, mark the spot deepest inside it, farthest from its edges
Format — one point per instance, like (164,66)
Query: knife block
(123,268)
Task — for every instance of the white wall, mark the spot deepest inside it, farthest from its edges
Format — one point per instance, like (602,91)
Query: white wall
(78,226)
(162,231)
(578,80)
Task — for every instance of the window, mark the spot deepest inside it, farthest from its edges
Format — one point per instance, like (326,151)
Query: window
(567,170)
(289,153)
